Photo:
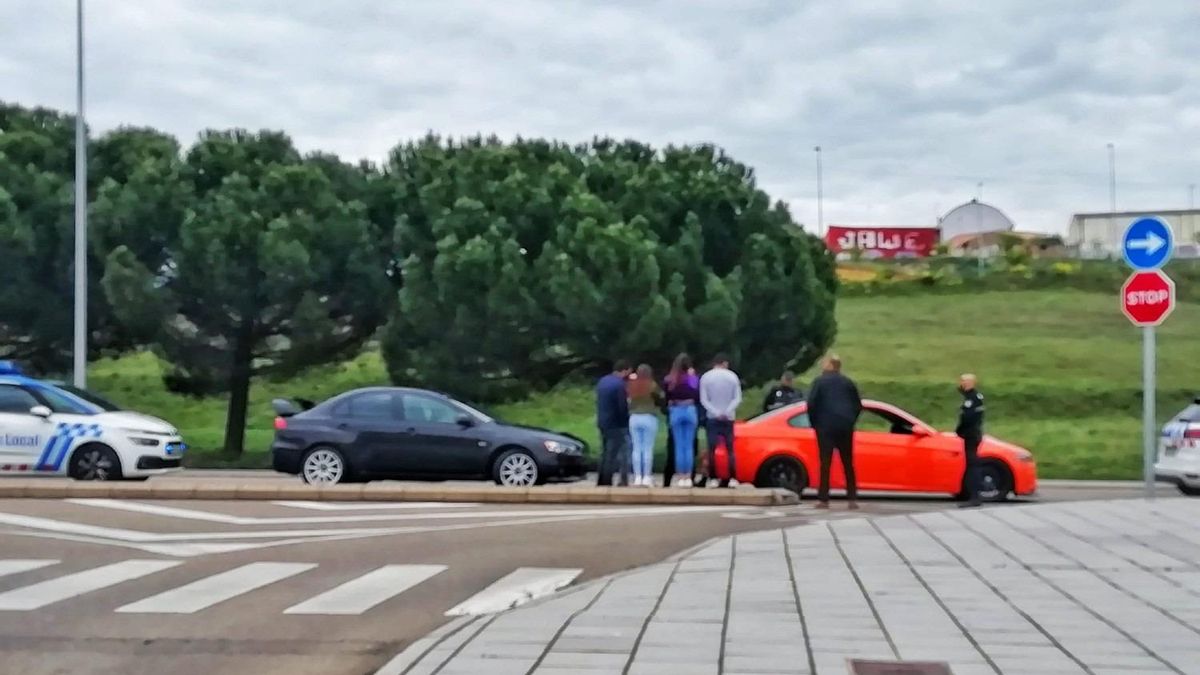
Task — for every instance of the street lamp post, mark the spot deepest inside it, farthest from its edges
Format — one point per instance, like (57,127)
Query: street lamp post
(1112,178)
(820,195)
(1192,196)
(80,342)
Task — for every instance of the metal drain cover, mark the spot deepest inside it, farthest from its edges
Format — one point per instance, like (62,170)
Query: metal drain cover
(861,667)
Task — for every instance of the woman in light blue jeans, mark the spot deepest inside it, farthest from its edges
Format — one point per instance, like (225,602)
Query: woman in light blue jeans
(683,390)
(644,398)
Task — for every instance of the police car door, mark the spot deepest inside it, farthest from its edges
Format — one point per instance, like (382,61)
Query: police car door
(22,434)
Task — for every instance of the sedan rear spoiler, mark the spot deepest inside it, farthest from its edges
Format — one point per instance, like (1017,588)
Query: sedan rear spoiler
(287,407)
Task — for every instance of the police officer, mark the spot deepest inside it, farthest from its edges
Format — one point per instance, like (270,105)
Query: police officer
(784,393)
(970,429)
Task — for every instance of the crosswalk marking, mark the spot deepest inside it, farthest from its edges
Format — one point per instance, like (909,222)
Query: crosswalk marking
(517,588)
(50,591)
(358,595)
(18,565)
(351,598)
(217,588)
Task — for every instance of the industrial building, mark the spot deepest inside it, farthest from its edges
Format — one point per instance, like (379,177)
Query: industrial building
(1098,235)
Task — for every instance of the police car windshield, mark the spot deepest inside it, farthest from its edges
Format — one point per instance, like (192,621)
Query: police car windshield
(65,403)
(91,397)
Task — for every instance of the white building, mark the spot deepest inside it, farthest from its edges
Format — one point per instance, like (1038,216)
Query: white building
(1098,235)
(974,217)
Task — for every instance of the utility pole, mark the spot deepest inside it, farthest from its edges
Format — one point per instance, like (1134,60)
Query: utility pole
(979,192)
(81,281)
(1192,196)
(820,195)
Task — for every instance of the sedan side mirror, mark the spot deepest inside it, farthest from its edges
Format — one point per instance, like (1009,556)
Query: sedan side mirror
(41,411)
(465,421)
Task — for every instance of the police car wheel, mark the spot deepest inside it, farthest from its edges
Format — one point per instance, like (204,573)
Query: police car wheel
(95,462)
(995,482)
(323,465)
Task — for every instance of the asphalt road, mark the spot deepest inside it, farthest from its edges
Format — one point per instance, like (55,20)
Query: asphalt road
(100,586)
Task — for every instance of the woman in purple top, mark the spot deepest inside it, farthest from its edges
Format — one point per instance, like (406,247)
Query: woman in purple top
(682,388)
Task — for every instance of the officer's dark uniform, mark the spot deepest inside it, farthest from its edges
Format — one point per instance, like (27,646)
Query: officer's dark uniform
(970,429)
(781,395)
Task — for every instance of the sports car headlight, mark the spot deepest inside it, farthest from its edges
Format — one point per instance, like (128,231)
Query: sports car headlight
(556,446)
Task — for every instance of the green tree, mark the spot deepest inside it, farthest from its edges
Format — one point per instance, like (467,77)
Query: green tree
(264,269)
(37,235)
(522,263)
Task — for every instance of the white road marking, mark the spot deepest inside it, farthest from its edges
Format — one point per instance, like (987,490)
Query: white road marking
(18,565)
(194,514)
(50,591)
(217,588)
(517,588)
(358,595)
(373,506)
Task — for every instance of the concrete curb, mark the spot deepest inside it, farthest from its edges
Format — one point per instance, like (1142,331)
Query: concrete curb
(382,492)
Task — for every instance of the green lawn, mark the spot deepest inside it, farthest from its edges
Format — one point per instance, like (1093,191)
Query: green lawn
(1061,370)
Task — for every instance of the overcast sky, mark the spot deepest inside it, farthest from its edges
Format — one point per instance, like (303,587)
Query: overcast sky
(913,101)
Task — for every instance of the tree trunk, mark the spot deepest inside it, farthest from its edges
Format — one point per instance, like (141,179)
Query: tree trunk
(239,391)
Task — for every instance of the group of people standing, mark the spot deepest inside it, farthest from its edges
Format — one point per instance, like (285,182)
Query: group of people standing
(630,403)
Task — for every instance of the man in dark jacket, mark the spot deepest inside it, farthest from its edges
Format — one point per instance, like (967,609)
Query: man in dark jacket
(970,429)
(783,393)
(833,409)
(612,418)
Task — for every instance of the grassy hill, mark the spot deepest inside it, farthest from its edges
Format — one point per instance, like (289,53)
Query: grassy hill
(1061,370)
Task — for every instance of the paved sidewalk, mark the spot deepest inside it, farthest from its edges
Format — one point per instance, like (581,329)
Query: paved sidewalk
(1088,587)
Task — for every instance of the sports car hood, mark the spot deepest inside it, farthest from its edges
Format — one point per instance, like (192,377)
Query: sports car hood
(126,419)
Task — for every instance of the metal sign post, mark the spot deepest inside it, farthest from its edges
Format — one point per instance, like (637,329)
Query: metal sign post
(1149,388)
(1147,298)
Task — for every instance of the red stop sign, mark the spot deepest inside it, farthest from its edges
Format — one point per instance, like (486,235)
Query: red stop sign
(1148,297)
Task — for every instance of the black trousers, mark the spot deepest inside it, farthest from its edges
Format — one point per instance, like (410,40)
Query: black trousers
(971,479)
(841,440)
(614,456)
(715,430)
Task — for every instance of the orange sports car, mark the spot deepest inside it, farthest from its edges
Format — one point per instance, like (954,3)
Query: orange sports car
(893,451)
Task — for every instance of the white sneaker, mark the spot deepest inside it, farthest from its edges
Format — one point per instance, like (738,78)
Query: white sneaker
(733,482)
(685,482)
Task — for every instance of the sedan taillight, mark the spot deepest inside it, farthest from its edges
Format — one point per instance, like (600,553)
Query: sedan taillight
(280,423)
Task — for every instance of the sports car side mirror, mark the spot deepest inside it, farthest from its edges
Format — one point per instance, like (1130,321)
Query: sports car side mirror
(40,411)
(920,431)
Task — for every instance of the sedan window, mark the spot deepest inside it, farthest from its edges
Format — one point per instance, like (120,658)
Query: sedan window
(15,399)
(376,405)
(426,409)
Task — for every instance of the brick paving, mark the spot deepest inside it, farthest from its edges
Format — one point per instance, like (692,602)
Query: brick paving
(1100,587)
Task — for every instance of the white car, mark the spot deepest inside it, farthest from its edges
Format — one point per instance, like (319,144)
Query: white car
(47,430)
(1179,450)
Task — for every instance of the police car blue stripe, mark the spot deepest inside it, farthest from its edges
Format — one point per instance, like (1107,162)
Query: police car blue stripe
(44,461)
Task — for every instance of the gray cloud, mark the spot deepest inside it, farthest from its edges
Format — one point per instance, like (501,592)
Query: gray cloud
(913,101)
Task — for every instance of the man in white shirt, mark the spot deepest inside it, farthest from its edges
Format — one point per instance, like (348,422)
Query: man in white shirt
(720,394)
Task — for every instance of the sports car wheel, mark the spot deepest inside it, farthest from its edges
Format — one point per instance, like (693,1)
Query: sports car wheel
(516,468)
(995,482)
(782,472)
(95,462)
(323,466)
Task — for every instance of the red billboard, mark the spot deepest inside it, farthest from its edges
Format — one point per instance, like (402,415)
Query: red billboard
(882,242)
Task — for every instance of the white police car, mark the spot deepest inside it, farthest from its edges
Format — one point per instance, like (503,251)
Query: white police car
(1179,450)
(45,429)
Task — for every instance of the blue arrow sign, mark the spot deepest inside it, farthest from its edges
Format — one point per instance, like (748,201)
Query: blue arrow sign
(1147,243)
